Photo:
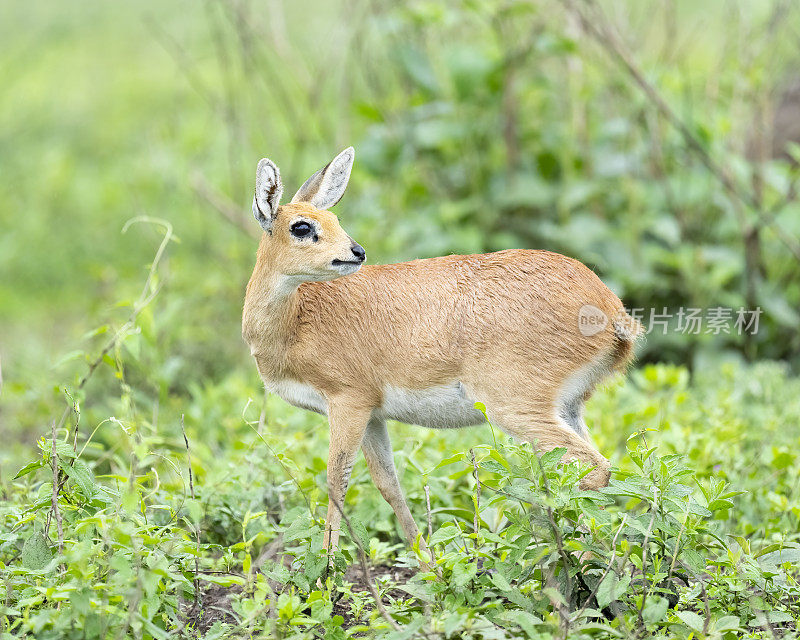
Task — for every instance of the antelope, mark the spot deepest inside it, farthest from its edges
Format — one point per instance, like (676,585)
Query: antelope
(421,342)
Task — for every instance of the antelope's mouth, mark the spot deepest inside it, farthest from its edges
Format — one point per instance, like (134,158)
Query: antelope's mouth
(345,267)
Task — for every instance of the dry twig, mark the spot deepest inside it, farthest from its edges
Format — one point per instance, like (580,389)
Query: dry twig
(606,572)
(427,490)
(597,25)
(197,594)
(54,496)
(367,575)
(224,206)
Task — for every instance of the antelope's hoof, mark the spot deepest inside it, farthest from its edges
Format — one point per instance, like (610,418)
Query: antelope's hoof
(597,477)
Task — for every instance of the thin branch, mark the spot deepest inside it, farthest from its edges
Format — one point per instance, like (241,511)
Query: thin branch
(563,610)
(181,60)
(197,595)
(605,573)
(678,541)
(228,209)
(362,558)
(597,25)
(427,490)
(646,541)
(707,619)
(54,496)
(476,520)
(280,460)
(148,293)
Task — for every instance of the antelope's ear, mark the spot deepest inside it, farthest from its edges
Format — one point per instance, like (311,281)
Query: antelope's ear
(326,187)
(269,190)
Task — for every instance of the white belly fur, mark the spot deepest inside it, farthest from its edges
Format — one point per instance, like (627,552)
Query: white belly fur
(300,395)
(446,406)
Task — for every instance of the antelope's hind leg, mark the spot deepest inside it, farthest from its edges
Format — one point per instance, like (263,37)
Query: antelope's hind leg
(377,449)
(548,433)
(538,422)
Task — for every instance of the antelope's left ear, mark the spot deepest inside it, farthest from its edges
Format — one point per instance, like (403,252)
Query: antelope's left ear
(326,187)
(269,190)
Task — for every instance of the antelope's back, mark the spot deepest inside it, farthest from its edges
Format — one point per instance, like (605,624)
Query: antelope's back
(425,318)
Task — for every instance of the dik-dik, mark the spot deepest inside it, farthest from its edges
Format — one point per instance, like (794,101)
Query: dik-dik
(422,341)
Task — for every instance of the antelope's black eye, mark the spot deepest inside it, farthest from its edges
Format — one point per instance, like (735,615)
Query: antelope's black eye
(302,230)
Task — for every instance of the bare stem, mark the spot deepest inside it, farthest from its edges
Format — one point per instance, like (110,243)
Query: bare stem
(598,26)
(197,596)
(428,509)
(605,573)
(367,575)
(228,209)
(54,496)
(476,520)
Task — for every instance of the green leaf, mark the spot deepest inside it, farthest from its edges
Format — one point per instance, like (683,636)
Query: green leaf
(63,450)
(221,580)
(606,592)
(554,595)
(777,557)
(454,458)
(525,620)
(453,622)
(551,458)
(694,560)
(622,587)
(499,581)
(598,628)
(463,572)
(408,630)
(443,535)
(297,529)
(655,609)
(80,473)
(95,332)
(727,623)
(772,617)
(36,552)
(315,564)
(692,620)
(28,468)
(360,532)
(493,466)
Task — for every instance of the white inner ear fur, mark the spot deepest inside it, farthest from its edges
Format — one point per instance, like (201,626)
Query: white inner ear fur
(326,187)
(269,190)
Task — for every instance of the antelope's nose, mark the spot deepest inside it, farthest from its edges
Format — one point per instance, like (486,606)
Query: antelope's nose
(358,252)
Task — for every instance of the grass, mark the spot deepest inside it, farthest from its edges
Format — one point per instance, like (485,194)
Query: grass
(201,515)
(173,500)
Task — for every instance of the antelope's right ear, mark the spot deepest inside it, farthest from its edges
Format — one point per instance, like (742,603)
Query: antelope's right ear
(269,190)
(326,187)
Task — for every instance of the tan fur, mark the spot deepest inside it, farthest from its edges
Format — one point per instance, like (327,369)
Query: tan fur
(504,325)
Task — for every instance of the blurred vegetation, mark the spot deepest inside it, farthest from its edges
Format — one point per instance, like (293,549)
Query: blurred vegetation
(477,125)
(656,141)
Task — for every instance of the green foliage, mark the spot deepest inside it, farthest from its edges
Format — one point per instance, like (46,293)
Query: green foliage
(478,126)
(666,550)
(150,529)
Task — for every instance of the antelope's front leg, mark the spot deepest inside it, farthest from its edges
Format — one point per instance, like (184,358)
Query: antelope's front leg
(348,421)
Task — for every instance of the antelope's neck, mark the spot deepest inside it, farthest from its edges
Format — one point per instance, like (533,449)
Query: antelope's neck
(269,318)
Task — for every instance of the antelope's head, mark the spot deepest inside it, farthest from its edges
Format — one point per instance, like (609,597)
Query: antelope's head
(305,241)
